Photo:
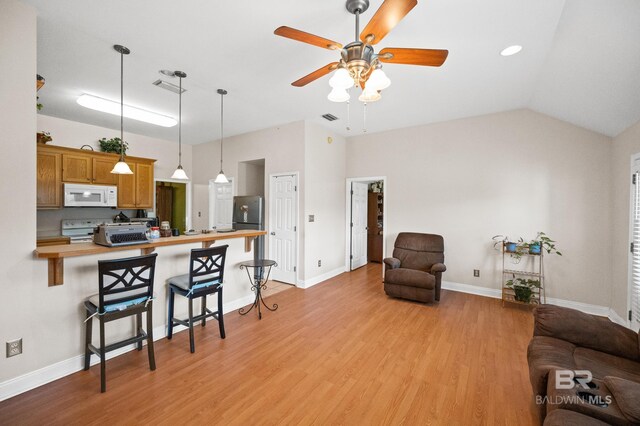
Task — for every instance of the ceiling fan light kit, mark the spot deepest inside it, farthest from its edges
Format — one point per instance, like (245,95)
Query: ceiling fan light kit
(359,64)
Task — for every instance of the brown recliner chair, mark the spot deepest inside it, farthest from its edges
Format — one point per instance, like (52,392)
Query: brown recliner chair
(415,270)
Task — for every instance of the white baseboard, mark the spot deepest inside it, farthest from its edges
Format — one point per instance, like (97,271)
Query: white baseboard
(320,278)
(50,373)
(495,293)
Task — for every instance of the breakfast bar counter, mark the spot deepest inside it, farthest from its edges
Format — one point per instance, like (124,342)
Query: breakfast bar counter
(56,253)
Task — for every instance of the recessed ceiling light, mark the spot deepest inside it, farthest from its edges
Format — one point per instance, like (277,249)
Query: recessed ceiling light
(111,107)
(511,50)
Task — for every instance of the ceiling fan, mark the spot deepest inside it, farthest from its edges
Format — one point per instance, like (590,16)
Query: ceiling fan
(359,65)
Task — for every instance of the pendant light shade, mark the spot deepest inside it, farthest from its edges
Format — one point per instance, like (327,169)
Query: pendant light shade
(180,173)
(221,178)
(121,167)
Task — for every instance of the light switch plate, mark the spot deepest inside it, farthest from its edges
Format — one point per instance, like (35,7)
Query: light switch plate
(312,218)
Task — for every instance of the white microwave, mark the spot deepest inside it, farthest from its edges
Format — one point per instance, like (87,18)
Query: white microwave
(79,195)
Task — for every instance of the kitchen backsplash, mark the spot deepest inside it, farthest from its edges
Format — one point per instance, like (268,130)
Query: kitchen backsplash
(49,221)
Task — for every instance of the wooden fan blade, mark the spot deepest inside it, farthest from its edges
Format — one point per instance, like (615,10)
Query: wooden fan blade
(386,17)
(315,75)
(426,57)
(298,35)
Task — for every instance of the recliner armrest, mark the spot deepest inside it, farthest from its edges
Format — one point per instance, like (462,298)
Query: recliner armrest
(438,267)
(392,262)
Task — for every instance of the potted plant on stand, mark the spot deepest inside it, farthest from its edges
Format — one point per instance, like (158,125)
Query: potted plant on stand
(523,288)
(542,242)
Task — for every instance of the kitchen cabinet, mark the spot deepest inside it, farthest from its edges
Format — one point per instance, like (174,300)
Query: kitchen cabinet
(57,165)
(136,191)
(49,180)
(76,168)
(101,171)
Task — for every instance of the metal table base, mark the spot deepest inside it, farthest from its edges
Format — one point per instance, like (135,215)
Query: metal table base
(258,283)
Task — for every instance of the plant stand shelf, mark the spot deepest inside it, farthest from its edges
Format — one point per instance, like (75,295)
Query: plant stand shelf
(534,270)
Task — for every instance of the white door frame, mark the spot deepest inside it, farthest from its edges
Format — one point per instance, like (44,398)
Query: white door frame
(297,218)
(632,168)
(188,200)
(347,253)
(212,198)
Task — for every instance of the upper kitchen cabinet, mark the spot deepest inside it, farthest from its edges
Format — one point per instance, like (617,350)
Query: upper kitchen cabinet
(58,165)
(76,167)
(49,179)
(136,191)
(88,168)
(101,171)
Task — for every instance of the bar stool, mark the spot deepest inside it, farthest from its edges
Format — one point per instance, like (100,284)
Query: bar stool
(125,289)
(205,277)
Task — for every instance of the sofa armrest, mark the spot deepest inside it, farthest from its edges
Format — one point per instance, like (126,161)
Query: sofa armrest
(392,262)
(438,267)
(588,331)
(627,395)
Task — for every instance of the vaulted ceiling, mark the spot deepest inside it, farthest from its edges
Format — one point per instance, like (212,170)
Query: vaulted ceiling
(580,62)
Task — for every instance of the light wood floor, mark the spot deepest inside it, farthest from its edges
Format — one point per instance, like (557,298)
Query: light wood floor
(341,352)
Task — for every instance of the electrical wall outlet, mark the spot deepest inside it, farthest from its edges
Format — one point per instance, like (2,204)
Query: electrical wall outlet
(14,348)
(312,218)
(199,214)
(319,263)
(476,272)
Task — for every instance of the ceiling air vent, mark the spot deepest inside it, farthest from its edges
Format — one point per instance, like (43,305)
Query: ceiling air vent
(168,86)
(330,117)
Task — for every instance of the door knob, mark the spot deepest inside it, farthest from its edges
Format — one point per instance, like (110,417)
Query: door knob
(273,233)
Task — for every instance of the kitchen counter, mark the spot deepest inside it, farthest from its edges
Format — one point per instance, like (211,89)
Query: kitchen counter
(55,254)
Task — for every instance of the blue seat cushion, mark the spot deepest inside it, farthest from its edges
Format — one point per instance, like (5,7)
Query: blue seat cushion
(117,306)
(182,281)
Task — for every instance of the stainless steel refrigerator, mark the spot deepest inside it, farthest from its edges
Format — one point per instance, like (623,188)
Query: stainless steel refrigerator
(248,213)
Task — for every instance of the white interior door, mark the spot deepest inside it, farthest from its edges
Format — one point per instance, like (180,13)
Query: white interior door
(358,224)
(283,213)
(222,209)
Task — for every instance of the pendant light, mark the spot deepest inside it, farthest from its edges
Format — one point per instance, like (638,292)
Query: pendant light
(180,173)
(221,178)
(121,167)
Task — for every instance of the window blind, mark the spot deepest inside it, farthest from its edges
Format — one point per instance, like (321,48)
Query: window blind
(634,292)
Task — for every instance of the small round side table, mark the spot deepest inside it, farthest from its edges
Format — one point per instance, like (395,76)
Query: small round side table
(258,283)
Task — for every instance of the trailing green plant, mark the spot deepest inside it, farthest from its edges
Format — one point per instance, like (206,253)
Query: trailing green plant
(546,243)
(523,288)
(505,241)
(114,145)
(43,137)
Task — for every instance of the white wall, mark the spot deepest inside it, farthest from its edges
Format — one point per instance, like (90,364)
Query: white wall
(22,280)
(325,175)
(511,173)
(282,149)
(74,134)
(625,145)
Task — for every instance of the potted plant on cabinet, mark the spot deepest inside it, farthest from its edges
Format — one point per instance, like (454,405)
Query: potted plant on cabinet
(114,145)
(523,288)
(43,137)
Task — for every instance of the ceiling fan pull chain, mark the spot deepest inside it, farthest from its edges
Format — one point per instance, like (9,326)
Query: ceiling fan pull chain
(364,119)
(348,116)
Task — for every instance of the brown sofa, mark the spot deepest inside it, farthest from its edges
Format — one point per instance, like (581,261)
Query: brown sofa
(415,270)
(566,339)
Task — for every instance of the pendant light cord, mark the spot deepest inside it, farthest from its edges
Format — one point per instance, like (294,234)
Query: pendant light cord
(121,105)
(180,126)
(221,127)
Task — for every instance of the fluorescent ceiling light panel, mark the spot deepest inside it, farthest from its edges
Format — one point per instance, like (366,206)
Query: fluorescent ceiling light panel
(112,107)
(511,50)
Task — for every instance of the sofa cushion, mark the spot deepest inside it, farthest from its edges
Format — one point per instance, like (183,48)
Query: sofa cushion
(410,277)
(584,330)
(601,364)
(627,395)
(545,354)
(570,418)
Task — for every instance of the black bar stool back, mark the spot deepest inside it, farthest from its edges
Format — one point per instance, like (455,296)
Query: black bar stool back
(125,289)
(205,277)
